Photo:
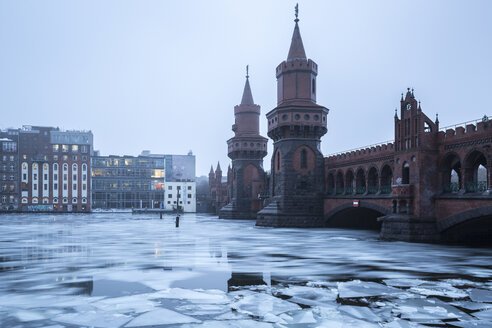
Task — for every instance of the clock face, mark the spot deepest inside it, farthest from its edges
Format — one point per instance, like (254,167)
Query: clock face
(409,106)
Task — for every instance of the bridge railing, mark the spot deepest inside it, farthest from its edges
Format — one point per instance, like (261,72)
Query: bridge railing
(483,119)
(361,148)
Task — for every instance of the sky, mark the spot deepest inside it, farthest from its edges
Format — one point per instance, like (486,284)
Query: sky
(165,75)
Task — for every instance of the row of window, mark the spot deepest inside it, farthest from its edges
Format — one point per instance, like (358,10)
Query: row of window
(11,158)
(9,146)
(64,157)
(171,196)
(55,186)
(67,148)
(11,199)
(11,177)
(7,187)
(45,200)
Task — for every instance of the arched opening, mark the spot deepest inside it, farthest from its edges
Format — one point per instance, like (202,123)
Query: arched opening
(451,173)
(339,183)
(356,218)
(314,86)
(330,184)
(349,182)
(406,173)
(476,231)
(303,159)
(360,182)
(386,179)
(475,172)
(372,182)
(277,161)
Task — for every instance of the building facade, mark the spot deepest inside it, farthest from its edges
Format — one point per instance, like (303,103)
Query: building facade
(145,181)
(127,182)
(9,170)
(54,169)
(247,179)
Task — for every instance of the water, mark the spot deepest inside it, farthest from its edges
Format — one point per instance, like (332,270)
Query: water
(123,270)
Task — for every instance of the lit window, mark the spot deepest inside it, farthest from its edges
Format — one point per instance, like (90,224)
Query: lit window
(56,148)
(65,148)
(75,148)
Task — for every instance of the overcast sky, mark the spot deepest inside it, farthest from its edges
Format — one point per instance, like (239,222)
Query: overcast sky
(165,75)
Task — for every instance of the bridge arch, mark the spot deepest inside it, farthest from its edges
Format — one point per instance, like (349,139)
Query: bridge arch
(470,226)
(349,182)
(339,184)
(330,183)
(451,172)
(360,181)
(386,179)
(474,164)
(362,217)
(372,180)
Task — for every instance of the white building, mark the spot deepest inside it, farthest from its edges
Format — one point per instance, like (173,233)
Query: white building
(187,195)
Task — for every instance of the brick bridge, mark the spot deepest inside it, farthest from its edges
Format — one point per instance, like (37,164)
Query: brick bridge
(429,184)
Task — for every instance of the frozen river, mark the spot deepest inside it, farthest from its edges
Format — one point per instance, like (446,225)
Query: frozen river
(123,270)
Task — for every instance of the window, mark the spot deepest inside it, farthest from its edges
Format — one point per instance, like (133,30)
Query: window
(189,187)
(34,176)
(74,186)
(12,178)
(303,159)
(74,157)
(84,177)
(314,86)
(170,196)
(75,148)
(35,186)
(169,202)
(170,187)
(179,187)
(55,186)
(24,176)
(65,167)
(56,148)
(11,158)
(65,148)
(189,195)
(84,186)
(65,186)
(45,187)
(84,149)
(65,176)
(74,177)
(45,176)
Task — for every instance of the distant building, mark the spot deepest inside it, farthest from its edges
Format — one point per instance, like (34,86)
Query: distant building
(220,192)
(144,181)
(54,169)
(127,182)
(9,170)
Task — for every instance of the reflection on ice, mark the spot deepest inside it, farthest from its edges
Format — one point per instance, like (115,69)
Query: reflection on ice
(215,273)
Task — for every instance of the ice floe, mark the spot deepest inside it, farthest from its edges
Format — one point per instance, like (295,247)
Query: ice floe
(261,304)
(161,317)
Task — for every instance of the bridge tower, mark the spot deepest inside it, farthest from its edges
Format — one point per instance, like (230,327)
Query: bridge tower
(296,126)
(416,158)
(246,149)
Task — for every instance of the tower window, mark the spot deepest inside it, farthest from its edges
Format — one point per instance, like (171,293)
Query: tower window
(303,159)
(314,86)
(278,161)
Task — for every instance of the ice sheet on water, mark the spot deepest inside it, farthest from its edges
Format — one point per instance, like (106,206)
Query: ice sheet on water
(25,316)
(403,282)
(472,305)
(309,295)
(230,324)
(484,315)
(262,304)
(357,289)
(210,296)
(420,309)
(135,303)
(481,295)
(439,288)
(203,309)
(359,312)
(94,319)
(472,324)
(161,317)
(398,323)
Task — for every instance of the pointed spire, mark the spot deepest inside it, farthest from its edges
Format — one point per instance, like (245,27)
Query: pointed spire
(296,50)
(396,114)
(211,169)
(437,118)
(419,108)
(247,95)
(401,97)
(218,167)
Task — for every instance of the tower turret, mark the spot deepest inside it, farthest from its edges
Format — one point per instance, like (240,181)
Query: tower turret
(296,126)
(246,149)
